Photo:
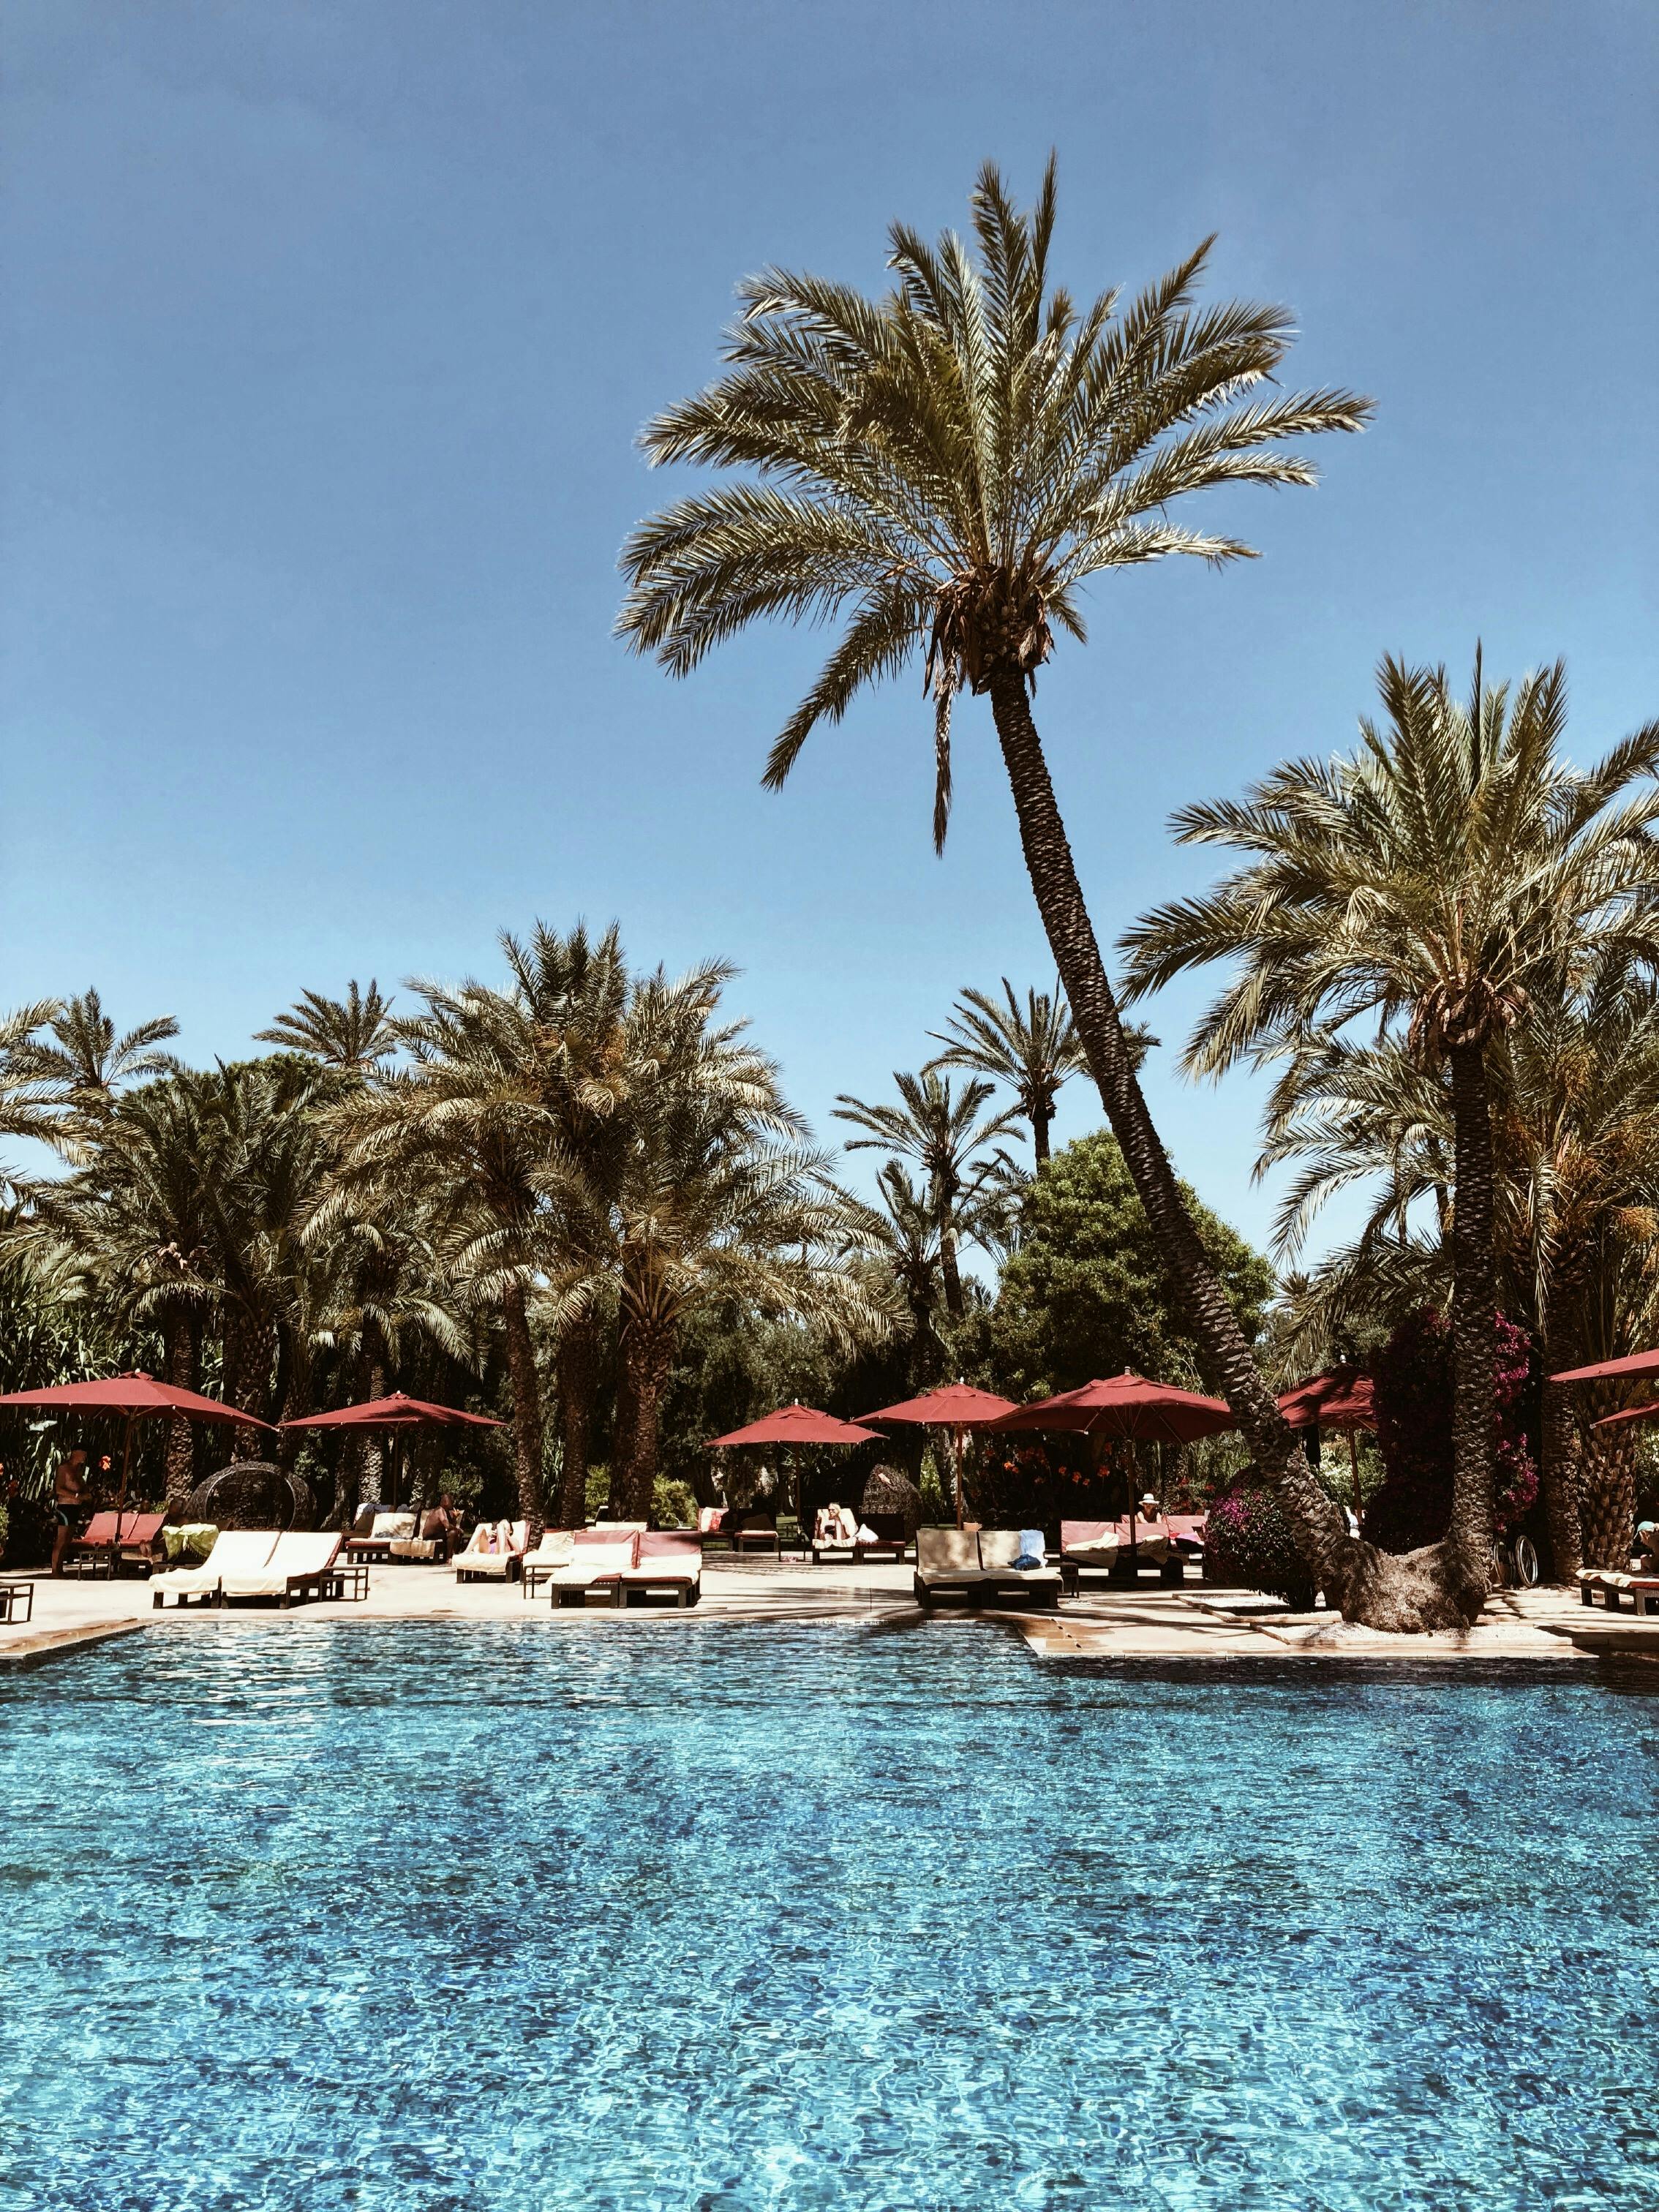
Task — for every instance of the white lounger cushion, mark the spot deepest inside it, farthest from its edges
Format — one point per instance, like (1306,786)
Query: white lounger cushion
(235,1552)
(591,1563)
(393,1524)
(666,1567)
(554,1549)
(300,1554)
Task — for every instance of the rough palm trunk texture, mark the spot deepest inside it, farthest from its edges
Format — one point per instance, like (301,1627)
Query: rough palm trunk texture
(647,1354)
(1475,1331)
(527,1410)
(1559,1474)
(949,1270)
(1384,1591)
(1608,1495)
(250,1352)
(1040,1125)
(179,1336)
(577,1372)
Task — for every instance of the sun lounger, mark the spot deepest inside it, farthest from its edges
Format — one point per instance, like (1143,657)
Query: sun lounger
(1103,1547)
(666,1563)
(300,1564)
(1609,1587)
(591,1567)
(111,1537)
(752,1532)
(248,1563)
(384,1531)
(979,1567)
(502,1561)
(235,1552)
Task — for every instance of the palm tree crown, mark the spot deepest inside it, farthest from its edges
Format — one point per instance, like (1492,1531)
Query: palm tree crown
(1434,875)
(355,1033)
(947,1133)
(946,465)
(1032,1049)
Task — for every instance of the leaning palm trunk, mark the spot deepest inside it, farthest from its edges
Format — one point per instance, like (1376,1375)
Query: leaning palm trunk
(527,1431)
(1379,1588)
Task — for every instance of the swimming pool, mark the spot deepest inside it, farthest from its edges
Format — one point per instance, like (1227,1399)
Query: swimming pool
(656,1915)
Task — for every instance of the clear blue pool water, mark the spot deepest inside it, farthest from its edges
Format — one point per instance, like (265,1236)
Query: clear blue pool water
(662,1916)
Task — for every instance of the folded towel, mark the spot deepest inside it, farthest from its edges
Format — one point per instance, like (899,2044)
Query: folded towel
(1032,1553)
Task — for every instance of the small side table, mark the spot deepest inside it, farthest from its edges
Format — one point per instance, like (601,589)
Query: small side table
(14,1595)
(347,1580)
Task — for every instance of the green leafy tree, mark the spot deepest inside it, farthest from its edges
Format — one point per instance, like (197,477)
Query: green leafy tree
(1428,884)
(943,468)
(1086,1293)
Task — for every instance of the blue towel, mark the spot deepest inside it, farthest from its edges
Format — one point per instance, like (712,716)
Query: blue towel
(1031,1551)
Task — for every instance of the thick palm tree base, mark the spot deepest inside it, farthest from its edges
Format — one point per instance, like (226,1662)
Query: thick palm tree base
(1407,1592)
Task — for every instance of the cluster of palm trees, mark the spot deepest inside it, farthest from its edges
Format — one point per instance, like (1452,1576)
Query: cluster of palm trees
(942,468)
(554,1171)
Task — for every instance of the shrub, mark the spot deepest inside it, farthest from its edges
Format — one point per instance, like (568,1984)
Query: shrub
(1249,1544)
(1415,1394)
(673,1504)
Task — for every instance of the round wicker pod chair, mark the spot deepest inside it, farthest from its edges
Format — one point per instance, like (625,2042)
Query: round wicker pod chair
(254,1493)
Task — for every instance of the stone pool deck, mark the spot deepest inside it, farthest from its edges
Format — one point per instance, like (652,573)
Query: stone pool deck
(1154,1623)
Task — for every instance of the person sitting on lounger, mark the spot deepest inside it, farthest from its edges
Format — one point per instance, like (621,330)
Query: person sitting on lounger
(68,1491)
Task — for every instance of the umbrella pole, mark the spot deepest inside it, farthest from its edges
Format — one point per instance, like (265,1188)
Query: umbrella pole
(1353,1469)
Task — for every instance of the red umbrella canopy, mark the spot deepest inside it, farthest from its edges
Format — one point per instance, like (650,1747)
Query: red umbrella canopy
(133,1396)
(1643,1412)
(1609,1370)
(396,1412)
(797,1425)
(953,1406)
(1125,1405)
(1340,1399)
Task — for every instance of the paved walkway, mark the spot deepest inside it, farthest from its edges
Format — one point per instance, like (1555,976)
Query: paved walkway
(1193,1622)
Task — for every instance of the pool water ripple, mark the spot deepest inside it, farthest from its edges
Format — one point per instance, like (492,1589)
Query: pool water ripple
(660,1915)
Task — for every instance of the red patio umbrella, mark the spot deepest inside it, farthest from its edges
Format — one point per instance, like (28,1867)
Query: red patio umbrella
(797,1425)
(1121,1406)
(396,1412)
(1340,1399)
(135,1397)
(1124,1404)
(957,1407)
(1642,1413)
(1613,1371)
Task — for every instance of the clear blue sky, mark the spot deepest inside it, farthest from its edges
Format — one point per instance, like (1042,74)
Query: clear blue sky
(328,331)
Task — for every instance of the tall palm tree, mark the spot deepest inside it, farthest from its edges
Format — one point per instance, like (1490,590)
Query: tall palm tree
(719,1202)
(946,466)
(947,1135)
(899,1236)
(128,1232)
(472,1118)
(355,1033)
(1032,1049)
(1576,1170)
(1430,883)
